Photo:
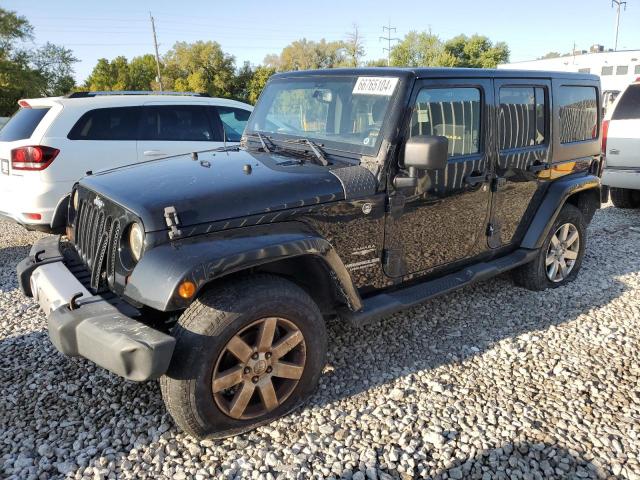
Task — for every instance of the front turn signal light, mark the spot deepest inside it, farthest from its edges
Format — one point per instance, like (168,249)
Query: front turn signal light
(187,289)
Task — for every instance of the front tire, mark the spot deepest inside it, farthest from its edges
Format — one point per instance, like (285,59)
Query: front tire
(560,257)
(625,198)
(246,353)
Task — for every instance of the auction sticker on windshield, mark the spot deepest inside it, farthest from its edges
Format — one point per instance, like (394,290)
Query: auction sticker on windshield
(375,86)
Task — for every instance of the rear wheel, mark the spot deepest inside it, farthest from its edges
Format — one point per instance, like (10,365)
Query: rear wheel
(560,256)
(245,354)
(625,197)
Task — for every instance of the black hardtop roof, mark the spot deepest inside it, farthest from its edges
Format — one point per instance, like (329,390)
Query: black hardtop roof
(440,72)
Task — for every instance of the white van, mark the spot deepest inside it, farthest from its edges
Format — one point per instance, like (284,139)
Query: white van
(621,145)
(50,143)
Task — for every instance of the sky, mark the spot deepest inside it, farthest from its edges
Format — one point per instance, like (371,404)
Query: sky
(250,29)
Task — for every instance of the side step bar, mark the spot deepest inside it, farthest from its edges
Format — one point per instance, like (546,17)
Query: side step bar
(385,304)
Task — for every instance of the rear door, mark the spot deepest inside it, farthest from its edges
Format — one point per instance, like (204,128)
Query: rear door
(623,139)
(171,129)
(523,144)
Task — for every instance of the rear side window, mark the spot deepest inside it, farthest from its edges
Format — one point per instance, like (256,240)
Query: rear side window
(176,123)
(622,70)
(107,124)
(607,71)
(22,125)
(578,113)
(628,107)
(521,117)
(637,70)
(450,112)
(233,121)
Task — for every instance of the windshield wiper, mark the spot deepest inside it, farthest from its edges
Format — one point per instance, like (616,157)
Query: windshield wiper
(314,147)
(264,145)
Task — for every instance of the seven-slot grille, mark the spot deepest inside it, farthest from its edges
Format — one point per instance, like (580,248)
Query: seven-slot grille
(97,234)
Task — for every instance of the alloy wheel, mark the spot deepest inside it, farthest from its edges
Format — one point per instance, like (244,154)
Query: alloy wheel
(562,252)
(259,368)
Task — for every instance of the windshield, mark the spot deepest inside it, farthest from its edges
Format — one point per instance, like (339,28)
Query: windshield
(345,113)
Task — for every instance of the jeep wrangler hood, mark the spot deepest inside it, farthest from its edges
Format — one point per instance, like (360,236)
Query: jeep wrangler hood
(217,186)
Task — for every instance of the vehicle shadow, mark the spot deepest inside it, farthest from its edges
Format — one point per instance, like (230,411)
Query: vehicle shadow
(57,399)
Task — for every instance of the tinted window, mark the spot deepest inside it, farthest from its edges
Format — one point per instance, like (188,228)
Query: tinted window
(233,121)
(107,124)
(584,70)
(176,123)
(578,113)
(22,124)
(637,70)
(607,70)
(629,105)
(622,70)
(450,112)
(521,117)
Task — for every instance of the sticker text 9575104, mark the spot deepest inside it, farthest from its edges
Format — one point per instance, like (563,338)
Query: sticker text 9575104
(375,86)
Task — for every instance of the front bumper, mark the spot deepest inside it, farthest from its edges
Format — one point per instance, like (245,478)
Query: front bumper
(621,178)
(90,326)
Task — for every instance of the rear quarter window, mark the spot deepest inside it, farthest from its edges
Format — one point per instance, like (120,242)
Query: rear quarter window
(22,125)
(107,124)
(628,107)
(233,121)
(578,113)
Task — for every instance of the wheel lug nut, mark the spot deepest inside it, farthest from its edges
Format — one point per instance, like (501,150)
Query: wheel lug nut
(247,370)
(255,356)
(269,369)
(267,355)
(255,379)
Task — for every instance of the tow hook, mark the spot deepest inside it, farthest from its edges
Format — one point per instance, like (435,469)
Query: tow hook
(73,304)
(36,257)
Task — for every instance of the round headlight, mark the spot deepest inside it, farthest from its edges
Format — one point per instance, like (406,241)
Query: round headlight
(136,241)
(75,200)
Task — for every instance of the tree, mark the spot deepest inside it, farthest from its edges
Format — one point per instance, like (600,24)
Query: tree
(200,67)
(476,51)
(354,47)
(308,55)
(110,75)
(241,82)
(258,80)
(142,73)
(12,28)
(550,55)
(380,62)
(417,49)
(55,64)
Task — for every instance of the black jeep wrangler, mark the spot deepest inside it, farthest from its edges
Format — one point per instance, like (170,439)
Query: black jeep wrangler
(354,194)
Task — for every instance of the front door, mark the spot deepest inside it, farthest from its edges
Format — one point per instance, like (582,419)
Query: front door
(523,153)
(444,219)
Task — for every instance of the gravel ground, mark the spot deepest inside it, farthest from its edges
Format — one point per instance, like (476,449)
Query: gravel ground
(492,381)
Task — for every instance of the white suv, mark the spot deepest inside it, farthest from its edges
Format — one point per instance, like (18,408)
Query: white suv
(621,145)
(50,143)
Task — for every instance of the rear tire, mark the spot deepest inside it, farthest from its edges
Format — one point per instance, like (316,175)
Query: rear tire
(625,197)
(233,321)
(568,235)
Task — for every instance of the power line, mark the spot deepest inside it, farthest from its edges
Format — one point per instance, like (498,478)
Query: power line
(389,39)
(618,4)
(155,44)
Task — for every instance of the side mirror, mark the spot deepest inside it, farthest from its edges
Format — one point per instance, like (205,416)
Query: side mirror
(422,152)
(426,152)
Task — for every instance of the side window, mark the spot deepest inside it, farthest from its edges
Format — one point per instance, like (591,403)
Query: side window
(450,112)
(584,70)
(233,121)
(521,117)
(578,113)
(628,107)
(637,70)
(622,70)
(607,71)
(176,123)
(107,124)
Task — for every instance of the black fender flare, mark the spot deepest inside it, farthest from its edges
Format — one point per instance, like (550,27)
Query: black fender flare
(204,258)
(555,198)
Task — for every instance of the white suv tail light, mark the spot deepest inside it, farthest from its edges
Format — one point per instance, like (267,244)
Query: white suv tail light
(33,158)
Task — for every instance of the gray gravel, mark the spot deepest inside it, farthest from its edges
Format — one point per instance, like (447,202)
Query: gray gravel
(492,381)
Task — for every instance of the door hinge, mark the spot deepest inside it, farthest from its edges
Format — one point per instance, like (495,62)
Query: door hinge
(171,217)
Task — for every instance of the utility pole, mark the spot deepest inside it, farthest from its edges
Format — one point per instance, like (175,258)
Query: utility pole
(618,4)
(155,44)
(389,39)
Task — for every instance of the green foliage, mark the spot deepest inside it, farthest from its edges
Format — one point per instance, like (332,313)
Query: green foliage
(354,47)
(200,67)
(257,82)
(120,74)
(550,55)
(309,55)
(23,74)
(422,49)
(380,62)
(143,72)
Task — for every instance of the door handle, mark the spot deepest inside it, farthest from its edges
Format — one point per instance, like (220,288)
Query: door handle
(614,151)
(474,178)
(538,167)
(153,153)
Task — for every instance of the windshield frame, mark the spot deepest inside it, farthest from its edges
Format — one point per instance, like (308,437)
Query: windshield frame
(391,115)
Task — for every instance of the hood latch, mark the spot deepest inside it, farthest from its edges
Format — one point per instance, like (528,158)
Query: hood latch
(171,217)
